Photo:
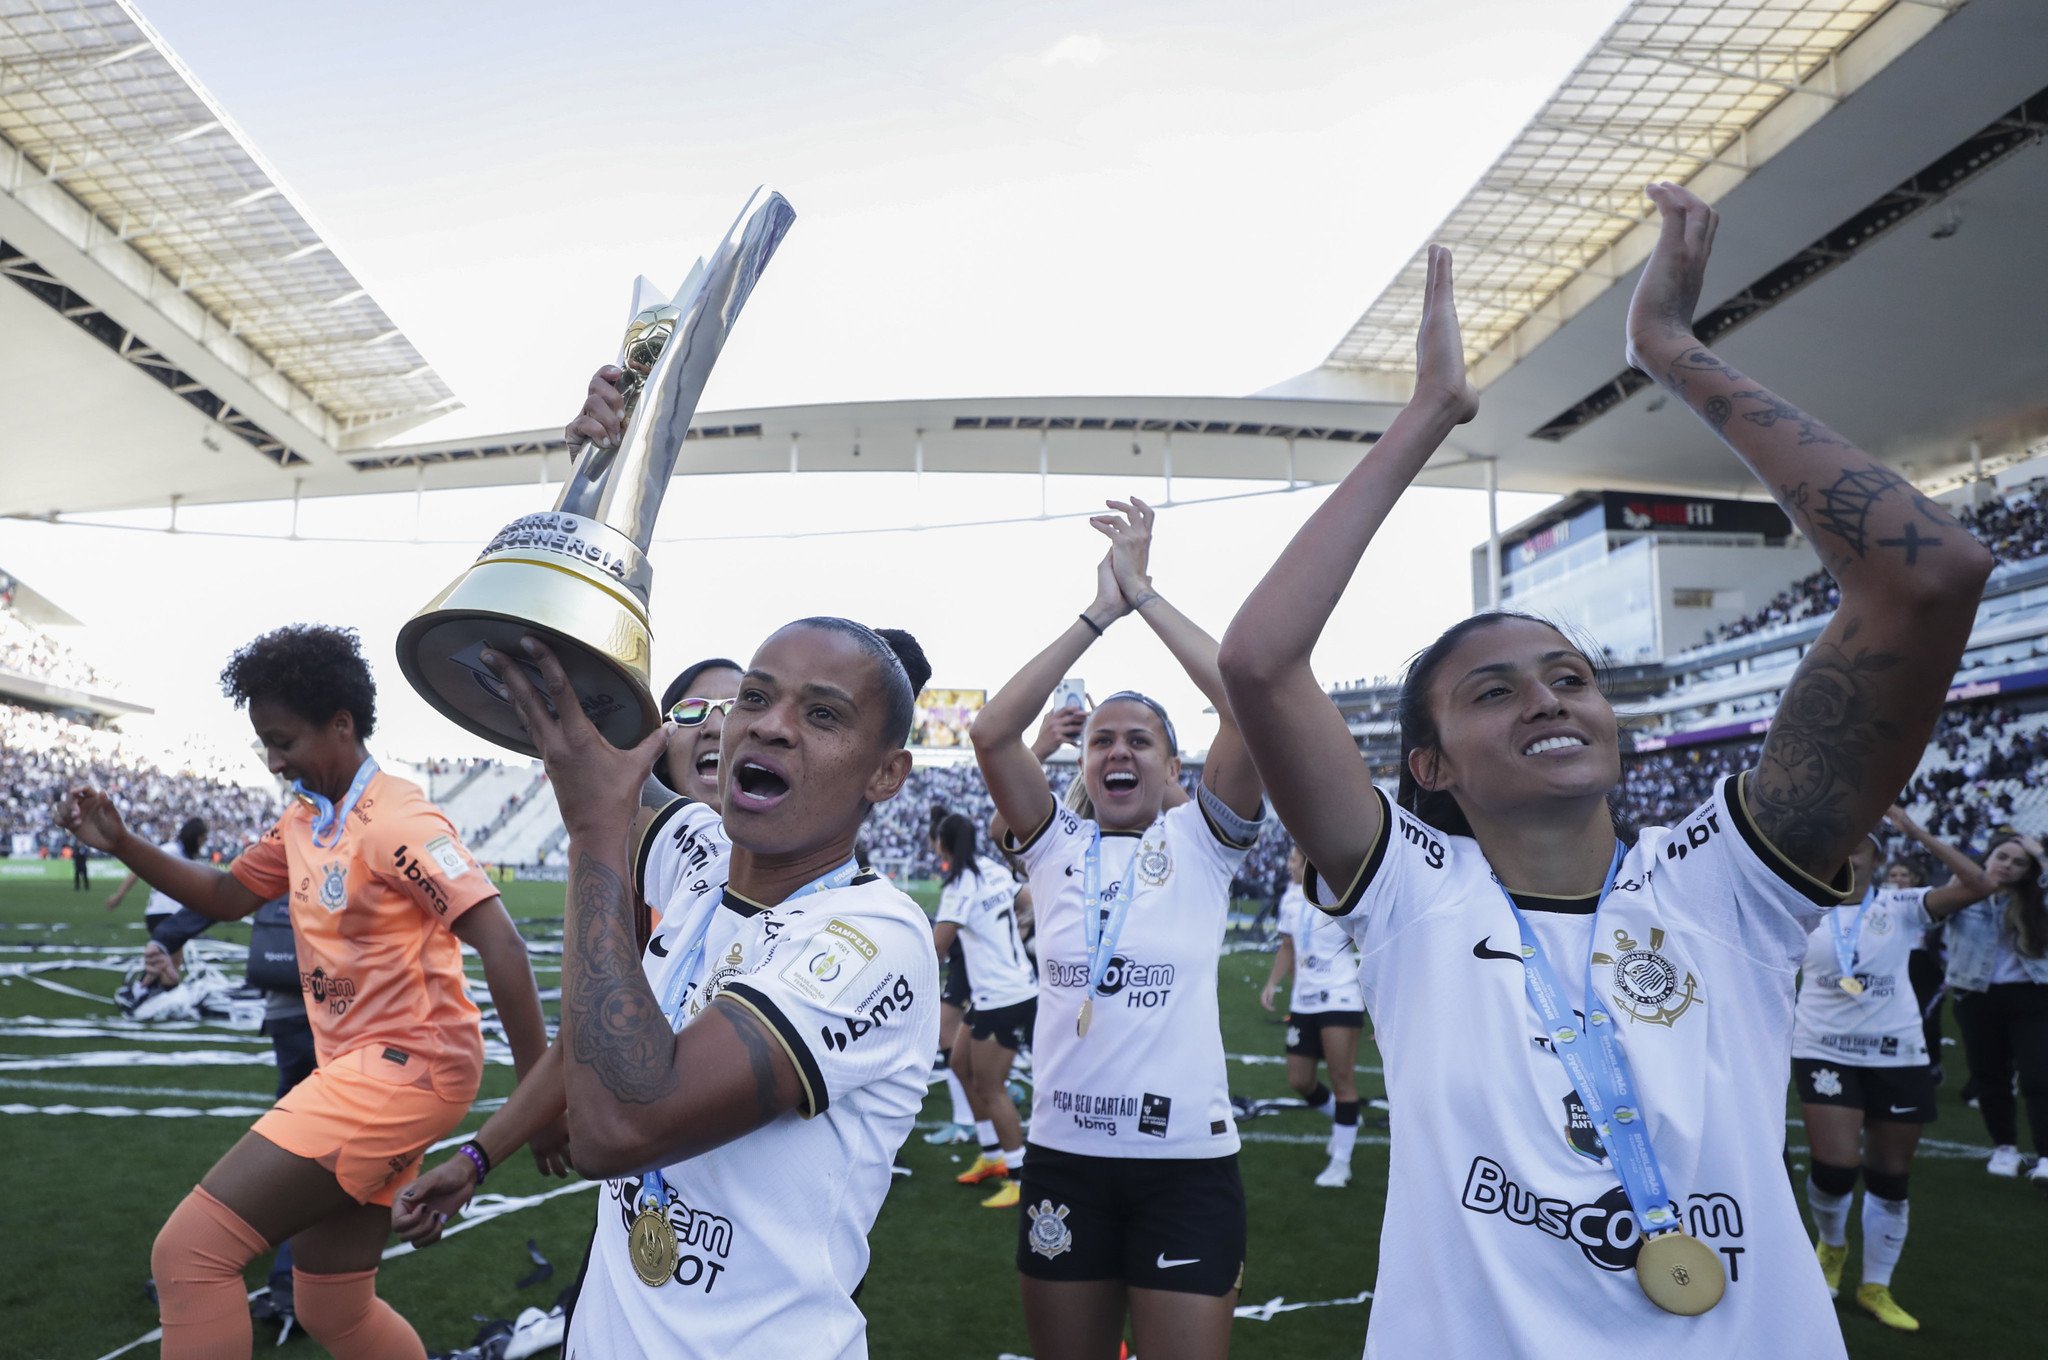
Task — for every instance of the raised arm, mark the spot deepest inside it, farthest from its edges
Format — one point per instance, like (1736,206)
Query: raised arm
(1856,716)
(630,1106)
(1016,781)
(1969,885)
(1297,738)
(1228,771)
(92,817)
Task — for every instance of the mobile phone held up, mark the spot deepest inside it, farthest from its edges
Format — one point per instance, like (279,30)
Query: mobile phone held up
(1071,693)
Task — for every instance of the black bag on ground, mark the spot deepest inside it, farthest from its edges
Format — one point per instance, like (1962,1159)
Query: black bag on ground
(273,952)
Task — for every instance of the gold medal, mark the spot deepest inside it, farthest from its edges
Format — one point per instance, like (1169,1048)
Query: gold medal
(652,1245)
(1680,1274)
(1853,986)
(1087,1014)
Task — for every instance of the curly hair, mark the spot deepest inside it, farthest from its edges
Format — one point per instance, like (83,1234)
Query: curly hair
(312,669)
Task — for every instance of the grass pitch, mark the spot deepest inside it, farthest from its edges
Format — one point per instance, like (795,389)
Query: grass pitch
(85,1193)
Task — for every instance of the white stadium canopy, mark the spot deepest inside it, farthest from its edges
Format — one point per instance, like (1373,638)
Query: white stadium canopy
(1878,162)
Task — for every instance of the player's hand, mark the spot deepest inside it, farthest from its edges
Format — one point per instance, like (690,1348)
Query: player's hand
(421,1209)
(1903,820)
(1266,996)
(551,1148)
(1440,345)
(596,784)
(1062,727)
(1109,605)
(92,817)
(1660,314)
(114,901)
(603,417)
(1129,532)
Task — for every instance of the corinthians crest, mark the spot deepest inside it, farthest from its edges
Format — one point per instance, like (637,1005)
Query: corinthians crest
(333,886)
(1050,1234)
(1153,865)
(1647,984)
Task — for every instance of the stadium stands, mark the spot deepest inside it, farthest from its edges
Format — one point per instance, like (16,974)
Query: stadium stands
(43,756)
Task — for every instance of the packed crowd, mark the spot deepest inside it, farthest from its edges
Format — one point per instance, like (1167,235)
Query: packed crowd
(1659,788)
(2014,527)
(43,756)
(27,650)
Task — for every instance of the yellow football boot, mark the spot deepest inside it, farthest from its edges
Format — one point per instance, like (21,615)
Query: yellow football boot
(1876,1299)
(1006,1198)
(1831,1259)
(983,1168)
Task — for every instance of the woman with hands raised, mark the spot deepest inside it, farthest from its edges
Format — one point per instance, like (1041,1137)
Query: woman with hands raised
(1130,1188)
(1586,1036)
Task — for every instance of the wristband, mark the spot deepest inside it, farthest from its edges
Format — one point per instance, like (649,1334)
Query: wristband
(1092,624)
(478,1158)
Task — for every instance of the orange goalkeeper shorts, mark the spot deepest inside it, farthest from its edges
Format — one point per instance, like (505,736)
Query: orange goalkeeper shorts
(363,1117)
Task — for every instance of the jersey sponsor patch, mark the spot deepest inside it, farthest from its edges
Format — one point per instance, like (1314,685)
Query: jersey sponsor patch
(828,962)
(447,857)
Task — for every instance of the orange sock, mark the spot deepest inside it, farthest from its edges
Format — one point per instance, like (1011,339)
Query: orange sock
(344,1314)
(197,1261)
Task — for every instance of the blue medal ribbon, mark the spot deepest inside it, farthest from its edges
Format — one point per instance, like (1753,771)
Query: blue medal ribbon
(329,816)
(1117,906)
(1599,1069)
(1846,942)
(652,1186)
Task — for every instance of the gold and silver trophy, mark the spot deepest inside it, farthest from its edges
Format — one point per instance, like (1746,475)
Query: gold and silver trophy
(577,576)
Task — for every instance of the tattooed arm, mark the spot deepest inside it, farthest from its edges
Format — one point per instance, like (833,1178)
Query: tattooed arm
(1856,716)
(639,1094)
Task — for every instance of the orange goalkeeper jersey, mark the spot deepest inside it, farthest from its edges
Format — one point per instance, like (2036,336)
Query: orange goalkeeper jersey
(371,916)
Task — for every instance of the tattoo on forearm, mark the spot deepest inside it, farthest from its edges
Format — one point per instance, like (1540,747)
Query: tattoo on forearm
(1143,600)
(760,1055)
(615,1025)
(1774,409)
(1717,410)
(1814,761)
(1845,506)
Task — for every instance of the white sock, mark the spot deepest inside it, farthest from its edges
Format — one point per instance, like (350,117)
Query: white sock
(990,1145)
(1343,1137)
(963,1113)
(1014,1158)
(1328,1107)
(1830,1213)
(1884,1236)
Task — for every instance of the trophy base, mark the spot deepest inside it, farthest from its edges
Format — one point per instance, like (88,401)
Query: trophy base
(593,625)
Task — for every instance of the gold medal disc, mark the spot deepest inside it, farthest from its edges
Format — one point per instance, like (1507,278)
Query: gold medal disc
(652,1245)
(1087,1014)
(1680,1274)
(1853,986)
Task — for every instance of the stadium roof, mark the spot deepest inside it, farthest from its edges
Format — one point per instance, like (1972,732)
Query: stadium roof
(128,187)
(1877,163)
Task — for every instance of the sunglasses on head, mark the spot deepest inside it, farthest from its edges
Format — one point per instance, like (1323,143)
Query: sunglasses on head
(692,712)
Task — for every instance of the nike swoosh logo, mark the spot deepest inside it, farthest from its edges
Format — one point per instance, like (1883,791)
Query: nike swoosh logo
(1480,951)
(1165,1264)
(1904,1109)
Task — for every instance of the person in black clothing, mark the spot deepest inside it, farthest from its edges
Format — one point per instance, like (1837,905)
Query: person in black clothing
(80,878)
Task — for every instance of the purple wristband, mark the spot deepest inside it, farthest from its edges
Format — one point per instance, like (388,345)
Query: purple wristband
(478,1158)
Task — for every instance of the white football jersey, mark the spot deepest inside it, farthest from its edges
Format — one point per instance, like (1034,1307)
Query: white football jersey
(1881,1026)
(773,1227)
(162,903)
(1507,1233)
(1148,1080)
(983,903)
(1325,958)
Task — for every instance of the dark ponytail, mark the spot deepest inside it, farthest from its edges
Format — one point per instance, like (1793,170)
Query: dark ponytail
(957,843)
(191,836)
(1419,727)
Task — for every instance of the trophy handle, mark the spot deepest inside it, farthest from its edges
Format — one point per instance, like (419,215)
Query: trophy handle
(586,476)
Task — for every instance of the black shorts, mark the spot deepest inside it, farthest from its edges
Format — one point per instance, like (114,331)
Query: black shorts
(1305,1031)
(955,992)
(1901,1095)
(1176,1224)
(1009,1025)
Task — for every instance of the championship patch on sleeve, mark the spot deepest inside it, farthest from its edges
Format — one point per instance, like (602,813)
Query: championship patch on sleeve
(828,962)
(447,857)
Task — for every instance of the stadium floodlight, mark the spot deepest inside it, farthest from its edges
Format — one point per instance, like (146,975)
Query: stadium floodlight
(578,576)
